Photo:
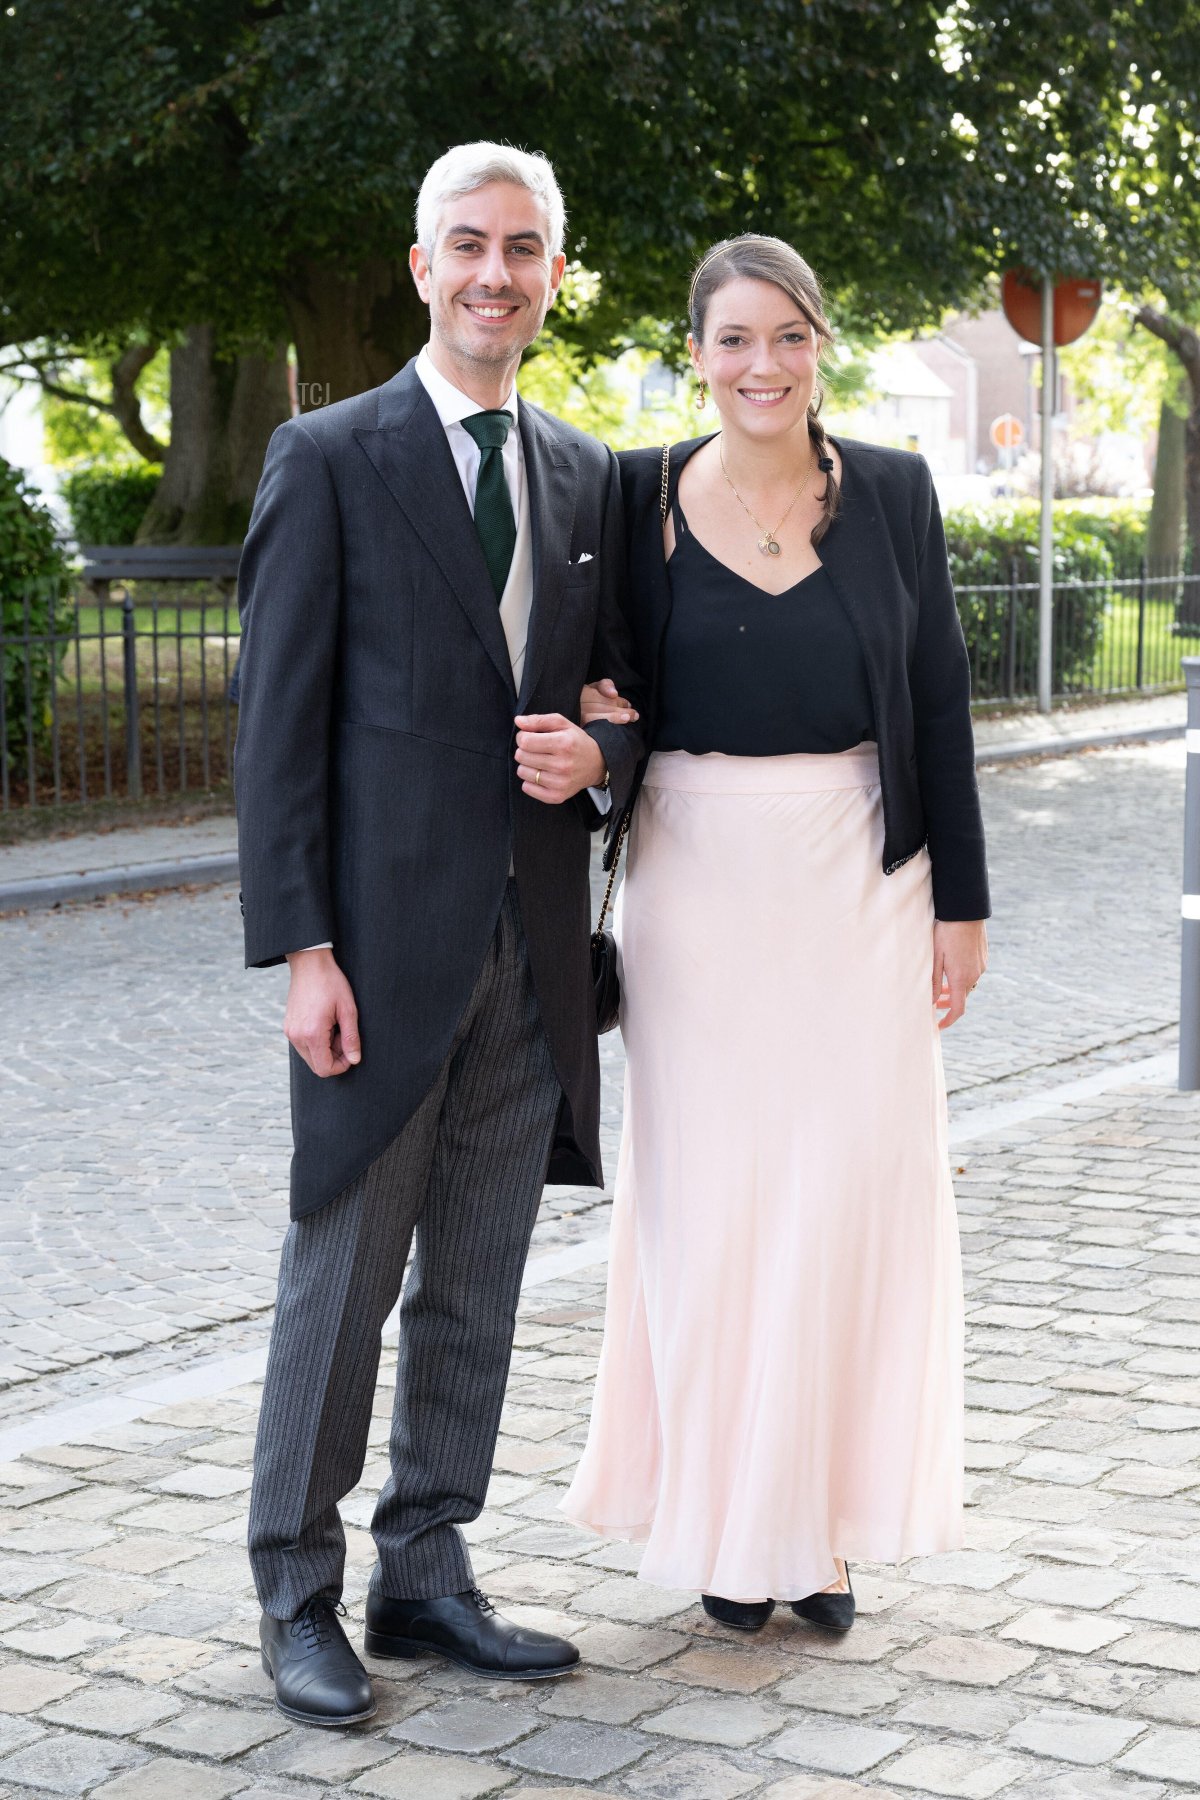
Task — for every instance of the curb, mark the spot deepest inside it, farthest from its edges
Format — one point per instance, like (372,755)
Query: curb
(1038,749)
(130,878)
(145,878)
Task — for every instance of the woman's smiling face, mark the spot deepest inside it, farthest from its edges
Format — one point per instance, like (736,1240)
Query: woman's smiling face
(759,357)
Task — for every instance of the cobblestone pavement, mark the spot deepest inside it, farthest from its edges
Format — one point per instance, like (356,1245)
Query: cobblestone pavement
(1055,1655)
(144,1133)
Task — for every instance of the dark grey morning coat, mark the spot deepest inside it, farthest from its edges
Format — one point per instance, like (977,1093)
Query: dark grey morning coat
(378,803)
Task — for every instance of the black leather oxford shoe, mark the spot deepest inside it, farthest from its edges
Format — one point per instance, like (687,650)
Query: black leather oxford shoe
(833,1612)
(318,1679)
(743,1615)
(467,1630)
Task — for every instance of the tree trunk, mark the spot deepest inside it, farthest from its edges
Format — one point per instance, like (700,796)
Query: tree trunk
(351,331)
(261,401)
(1164,530)
(1184,341)
(1190,609)
(223,411)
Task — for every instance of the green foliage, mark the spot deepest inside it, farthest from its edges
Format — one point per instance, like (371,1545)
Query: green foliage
(606,399)
(33,581)
(177,163)
(107,505)
(1118,376)
(1120,524)
(1091,539)
(79,436)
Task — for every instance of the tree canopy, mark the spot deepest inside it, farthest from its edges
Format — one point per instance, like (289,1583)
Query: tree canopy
(253,164)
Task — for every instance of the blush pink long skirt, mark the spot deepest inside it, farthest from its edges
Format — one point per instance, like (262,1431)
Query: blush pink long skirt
(781,1380)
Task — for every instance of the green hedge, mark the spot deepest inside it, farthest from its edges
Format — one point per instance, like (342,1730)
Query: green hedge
(985,541)
(988,543)
(33,583)
(1120,524)
(108,505)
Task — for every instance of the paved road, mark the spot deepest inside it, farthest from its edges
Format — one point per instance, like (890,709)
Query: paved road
(1054,1657)
(143,1133)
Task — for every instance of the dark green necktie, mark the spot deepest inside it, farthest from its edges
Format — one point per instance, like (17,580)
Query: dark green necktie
(493,509)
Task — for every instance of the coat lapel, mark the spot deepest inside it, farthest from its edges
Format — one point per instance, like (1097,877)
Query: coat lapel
(551,469)
(410,454)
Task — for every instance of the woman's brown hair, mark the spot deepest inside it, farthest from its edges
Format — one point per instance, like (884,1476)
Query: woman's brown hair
(755,258)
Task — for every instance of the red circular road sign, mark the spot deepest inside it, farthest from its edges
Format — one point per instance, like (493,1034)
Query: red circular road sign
(1007,432)
(1076,303)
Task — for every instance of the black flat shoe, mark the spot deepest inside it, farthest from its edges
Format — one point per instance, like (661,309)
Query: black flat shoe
(832,1612)
(318,1679)
(743,1615)
(466,1629)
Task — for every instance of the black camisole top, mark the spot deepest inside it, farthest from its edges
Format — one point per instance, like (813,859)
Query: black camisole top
(748,673)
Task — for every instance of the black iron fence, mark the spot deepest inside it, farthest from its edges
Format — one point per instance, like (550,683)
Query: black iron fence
(1123,632)
(134,695)
(116,697)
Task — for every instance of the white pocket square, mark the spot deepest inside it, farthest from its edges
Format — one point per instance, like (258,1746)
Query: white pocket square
(584,556)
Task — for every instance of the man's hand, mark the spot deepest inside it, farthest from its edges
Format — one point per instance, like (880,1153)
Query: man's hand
(600,700)
(556,759)
(321,1020)
(960,955)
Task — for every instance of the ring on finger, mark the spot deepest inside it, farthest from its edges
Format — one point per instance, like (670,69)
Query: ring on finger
(537,779)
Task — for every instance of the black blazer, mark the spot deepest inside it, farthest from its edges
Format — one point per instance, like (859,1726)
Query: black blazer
(886,557)
(378,802)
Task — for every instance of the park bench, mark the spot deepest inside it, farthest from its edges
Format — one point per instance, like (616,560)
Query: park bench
(106,563)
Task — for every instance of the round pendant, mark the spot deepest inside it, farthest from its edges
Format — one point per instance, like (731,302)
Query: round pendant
(768,546)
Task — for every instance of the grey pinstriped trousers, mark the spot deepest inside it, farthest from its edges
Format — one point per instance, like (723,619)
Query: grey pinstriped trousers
(465,1175)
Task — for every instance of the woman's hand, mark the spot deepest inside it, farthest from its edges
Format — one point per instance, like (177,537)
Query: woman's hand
(600,700)
(960,955)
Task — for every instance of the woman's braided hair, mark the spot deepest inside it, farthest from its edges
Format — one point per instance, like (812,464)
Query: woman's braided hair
(755,258)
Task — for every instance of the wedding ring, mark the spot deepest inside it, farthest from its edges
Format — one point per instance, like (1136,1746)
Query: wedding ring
(537,779)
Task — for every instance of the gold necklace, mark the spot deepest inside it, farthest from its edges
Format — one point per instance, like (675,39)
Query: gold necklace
(767,539)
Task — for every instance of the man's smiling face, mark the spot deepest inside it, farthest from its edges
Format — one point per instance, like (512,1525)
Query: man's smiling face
(491,278)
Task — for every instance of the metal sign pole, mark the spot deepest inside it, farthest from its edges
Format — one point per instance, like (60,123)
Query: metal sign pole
(1189,994)
(1046,537)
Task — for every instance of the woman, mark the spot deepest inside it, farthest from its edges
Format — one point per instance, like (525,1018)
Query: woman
(780,1387)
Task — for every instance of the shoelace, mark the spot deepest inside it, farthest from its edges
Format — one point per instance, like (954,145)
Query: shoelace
(313,1625)
(481,1600)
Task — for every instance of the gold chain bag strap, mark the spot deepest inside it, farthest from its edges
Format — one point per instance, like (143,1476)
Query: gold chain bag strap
(605,980)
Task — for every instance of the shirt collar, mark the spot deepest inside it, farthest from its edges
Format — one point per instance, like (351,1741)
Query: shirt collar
(453,406)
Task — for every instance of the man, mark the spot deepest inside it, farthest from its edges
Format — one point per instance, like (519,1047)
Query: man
(432,572)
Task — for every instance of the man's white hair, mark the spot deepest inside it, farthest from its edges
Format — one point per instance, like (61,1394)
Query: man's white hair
(466,167)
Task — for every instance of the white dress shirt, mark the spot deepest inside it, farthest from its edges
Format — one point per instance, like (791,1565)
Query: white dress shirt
(453,406)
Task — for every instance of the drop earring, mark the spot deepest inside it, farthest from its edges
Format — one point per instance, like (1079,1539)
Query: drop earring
(702,395)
